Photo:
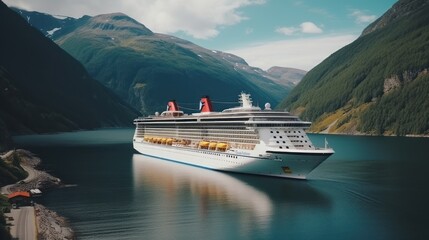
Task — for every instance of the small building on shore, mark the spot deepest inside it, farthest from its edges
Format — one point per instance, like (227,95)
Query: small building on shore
(20,198)
(35,192)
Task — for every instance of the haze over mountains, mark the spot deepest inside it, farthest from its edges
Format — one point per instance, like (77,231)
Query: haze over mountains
(44,89)
(378,84)
(147,69)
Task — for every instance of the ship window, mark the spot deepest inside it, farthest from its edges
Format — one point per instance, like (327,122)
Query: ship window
(277,141)
(294,131)
(284,142)
(280,147)
(305,140)
(281,137)
(271,131)
(287,147)
(275,137)
(277,131)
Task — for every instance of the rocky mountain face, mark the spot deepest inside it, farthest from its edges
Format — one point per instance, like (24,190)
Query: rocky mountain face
(44,89)
(147,69)
(376,85)
(49,24)
(287,76)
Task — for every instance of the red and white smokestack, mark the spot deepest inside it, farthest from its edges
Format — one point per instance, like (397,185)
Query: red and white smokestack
(172,106)
(206,104)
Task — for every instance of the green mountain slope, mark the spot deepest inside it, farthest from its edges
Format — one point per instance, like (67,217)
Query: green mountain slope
(146,69)
(377,84)
(44,89)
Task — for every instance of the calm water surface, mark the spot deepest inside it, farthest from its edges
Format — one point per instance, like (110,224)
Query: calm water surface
(372,188)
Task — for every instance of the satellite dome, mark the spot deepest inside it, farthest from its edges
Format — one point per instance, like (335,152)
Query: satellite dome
(267,106)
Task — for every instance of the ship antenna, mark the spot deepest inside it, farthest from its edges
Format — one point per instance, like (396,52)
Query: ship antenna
(245,100)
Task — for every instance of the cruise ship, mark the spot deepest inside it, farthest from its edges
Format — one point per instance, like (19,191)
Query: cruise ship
(242,139)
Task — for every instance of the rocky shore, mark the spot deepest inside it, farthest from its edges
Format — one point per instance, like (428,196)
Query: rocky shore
(50,225)
(35,179)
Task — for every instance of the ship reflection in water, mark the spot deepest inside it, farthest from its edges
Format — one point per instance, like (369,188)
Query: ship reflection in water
(205,185)
(211,195)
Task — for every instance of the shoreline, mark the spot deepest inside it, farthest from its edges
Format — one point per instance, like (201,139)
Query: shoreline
(50,225)
(368,135)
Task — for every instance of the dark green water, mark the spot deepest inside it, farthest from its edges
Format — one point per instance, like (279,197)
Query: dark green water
(372,188)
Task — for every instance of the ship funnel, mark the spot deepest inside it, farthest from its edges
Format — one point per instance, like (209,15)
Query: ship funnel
(172,106)
(206,104)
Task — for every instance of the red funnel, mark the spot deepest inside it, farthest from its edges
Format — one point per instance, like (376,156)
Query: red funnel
(206,104)
(172,106)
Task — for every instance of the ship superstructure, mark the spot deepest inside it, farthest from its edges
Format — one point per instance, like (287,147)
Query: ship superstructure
(243,139)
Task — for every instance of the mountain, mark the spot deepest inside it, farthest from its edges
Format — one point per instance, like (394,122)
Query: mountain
(289,77)
(146,69)
(49,24)
(44,89)
(401,9)
(376,85)
(5,138)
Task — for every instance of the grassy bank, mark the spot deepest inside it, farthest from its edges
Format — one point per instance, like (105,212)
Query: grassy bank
(10,170)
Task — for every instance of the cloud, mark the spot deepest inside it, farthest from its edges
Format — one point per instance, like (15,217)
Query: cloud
(309,27)
(199,19)
(287,30)
(305,27)
(362,18)
(304,53)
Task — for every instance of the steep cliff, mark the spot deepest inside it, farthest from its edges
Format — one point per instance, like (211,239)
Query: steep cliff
(378,84)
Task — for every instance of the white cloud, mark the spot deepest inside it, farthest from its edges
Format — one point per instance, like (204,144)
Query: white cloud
(309,27)
(362,18)
(305,27)
(197,18)
(304,53)
(287,30)
(249,31)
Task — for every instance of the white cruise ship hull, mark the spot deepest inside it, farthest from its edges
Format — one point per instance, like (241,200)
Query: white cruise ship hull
(277,164)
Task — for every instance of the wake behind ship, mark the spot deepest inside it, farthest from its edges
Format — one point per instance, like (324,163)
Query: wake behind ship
(244,139)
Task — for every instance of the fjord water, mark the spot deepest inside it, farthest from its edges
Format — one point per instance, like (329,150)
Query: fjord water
(371,188)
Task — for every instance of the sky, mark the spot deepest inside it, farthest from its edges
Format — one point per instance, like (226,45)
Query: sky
(287,33)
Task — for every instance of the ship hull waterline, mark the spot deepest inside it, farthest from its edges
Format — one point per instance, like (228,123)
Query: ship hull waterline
(295,166)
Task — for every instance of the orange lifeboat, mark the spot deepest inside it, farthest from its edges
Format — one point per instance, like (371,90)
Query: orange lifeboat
(204,144)
(212,145)
(222,146)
